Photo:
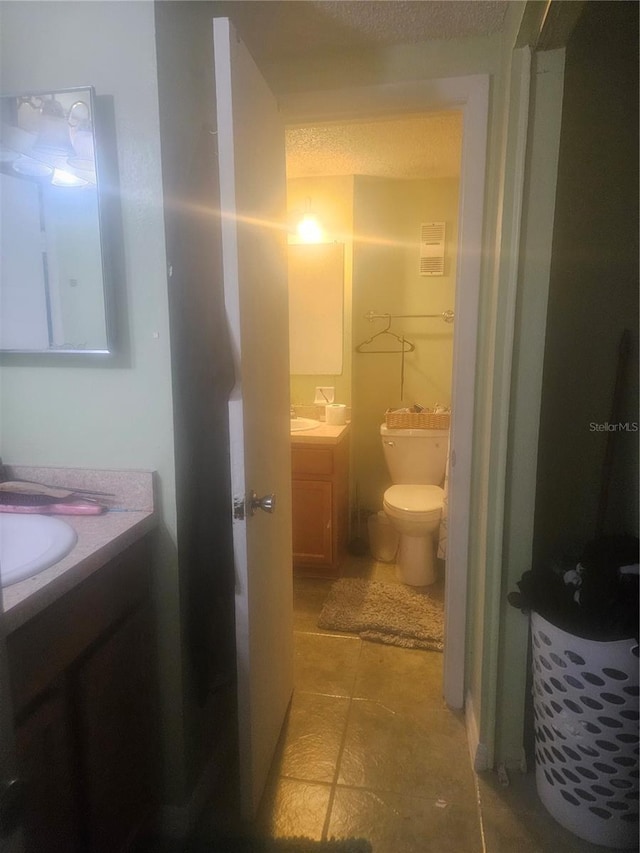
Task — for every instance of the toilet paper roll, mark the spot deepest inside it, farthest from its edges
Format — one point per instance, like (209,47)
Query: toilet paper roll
(336,414)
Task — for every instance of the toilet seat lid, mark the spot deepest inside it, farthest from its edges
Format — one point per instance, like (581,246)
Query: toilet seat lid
(414,498)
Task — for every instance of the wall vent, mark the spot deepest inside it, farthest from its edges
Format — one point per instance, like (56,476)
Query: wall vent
(432,248)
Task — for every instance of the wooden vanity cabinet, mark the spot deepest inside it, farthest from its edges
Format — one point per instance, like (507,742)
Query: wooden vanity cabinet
(84,689)
(46,765)
(320,497)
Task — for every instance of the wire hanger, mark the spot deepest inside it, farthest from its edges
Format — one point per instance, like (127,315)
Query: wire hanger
(405,345)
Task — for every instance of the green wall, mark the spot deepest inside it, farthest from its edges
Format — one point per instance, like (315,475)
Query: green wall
(118,415)
(86,415)
(386,279)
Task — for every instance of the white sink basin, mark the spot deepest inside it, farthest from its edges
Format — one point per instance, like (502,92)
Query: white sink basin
(298,424)
(31,543)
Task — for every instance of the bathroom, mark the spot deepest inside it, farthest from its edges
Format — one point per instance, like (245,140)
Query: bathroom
(389,197)
(137,384)
(122,416)
(370,185)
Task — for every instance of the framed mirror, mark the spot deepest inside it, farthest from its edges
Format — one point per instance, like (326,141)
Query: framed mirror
(316,308)
(54,294)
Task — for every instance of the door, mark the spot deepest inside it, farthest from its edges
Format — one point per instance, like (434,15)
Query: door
(251,158)
(10,835)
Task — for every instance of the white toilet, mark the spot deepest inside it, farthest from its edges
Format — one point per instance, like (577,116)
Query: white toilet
(416,459)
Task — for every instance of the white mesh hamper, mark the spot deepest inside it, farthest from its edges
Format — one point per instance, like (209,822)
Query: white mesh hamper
(585,702)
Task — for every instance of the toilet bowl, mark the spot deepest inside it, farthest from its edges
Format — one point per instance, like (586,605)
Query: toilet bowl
(416,460)
(415,512)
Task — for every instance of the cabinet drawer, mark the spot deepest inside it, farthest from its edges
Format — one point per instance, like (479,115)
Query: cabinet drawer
(317,461)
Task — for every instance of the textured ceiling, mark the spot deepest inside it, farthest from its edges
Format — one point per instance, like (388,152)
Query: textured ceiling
(411,147)
(277,30)
(423,146)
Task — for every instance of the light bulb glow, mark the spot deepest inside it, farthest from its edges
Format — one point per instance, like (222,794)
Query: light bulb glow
(62,178)
(309,230)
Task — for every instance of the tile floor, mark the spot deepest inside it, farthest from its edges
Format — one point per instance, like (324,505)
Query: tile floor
(363,752)
(369,749)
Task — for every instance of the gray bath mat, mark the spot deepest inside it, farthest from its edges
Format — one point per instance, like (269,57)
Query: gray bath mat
(384,612)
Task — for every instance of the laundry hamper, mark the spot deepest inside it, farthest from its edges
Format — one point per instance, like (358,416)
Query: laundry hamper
(585,702)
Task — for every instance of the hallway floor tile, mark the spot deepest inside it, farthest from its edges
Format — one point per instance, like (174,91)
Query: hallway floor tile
(370,741)
(370,749)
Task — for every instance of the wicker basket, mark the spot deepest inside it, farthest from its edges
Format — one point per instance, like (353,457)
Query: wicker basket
(417,420)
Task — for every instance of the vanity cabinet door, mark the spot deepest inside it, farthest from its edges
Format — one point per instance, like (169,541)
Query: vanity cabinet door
(114,687)
(320,494)
(312,522)
(83,679)
(46,764)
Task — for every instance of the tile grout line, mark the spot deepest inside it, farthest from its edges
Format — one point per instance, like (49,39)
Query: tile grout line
(343,740)
(479,836)
(483,839)
(320,693)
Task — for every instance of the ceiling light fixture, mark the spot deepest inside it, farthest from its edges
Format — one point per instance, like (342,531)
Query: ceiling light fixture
(63,148)
(307,227)
(53,134)
(62,178)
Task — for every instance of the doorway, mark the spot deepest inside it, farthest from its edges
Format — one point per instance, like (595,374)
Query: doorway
(370,187)
(469,95)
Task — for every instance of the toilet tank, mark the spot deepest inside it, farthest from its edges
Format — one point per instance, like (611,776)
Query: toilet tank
(415,456)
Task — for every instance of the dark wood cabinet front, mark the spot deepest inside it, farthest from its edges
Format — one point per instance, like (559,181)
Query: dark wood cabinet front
(46,765)
(83,679)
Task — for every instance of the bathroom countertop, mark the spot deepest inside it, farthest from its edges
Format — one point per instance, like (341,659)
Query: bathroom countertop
(100,537)
(323,434)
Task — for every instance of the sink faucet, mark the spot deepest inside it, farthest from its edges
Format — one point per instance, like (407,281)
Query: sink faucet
(292,413)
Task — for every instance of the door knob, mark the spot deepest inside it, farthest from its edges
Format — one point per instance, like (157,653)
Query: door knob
(266,503)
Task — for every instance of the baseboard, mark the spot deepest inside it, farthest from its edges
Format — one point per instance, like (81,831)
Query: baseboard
(477,750)
(517,762)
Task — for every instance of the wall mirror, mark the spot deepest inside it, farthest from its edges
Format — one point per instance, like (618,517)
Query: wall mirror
(316,299)
(53,287)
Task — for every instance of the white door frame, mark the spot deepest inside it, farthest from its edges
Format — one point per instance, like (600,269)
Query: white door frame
(470,95)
